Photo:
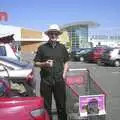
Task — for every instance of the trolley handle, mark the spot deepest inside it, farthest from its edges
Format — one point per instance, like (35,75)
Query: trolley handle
(78,69)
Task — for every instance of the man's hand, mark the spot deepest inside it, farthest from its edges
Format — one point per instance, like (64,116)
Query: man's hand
(49,63)
(46,64)
(64,75)
(66,68)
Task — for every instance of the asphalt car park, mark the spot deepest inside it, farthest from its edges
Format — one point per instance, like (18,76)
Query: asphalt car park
(107,77)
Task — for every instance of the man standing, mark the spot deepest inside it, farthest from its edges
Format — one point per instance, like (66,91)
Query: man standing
(52,57)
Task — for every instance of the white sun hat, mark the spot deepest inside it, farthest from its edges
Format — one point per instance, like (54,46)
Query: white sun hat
(54,28)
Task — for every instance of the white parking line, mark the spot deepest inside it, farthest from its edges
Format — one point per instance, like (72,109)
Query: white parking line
(116,72)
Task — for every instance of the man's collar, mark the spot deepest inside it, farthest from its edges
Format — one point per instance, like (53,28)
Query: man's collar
(53,44)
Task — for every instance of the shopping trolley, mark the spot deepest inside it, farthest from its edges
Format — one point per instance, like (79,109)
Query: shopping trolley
(85,99)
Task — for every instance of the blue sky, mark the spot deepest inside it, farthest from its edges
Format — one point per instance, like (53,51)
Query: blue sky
(38,14)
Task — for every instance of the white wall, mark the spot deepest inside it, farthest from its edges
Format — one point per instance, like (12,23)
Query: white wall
(95,42)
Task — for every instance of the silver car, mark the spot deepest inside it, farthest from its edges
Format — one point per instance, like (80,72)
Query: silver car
(16,70)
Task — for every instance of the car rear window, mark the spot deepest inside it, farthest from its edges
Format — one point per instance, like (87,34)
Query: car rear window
(14,62)
(2,51)
(17,63)
(99,49)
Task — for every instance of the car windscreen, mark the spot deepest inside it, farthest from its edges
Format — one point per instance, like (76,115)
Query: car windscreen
(85,50)
(108,50)
(2,51)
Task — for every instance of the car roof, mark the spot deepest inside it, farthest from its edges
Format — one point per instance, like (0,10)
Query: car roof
(79,49)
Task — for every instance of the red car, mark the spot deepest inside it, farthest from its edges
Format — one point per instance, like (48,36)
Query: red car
(19,104)
(96,53)
(29,108)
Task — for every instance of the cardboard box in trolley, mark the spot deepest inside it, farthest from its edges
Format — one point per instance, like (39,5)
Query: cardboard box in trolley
(92,105)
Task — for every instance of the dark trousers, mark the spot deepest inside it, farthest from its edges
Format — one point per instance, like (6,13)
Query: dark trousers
(59,91)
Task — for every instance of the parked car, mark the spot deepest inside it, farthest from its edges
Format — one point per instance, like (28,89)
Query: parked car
(81,55)
(75,53)
(23,108)
(111,57)
(6,50)
(16,70)
(95,54)
(15,105)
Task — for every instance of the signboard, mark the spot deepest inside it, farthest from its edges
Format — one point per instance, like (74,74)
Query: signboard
(78,79)
(3,16)
(92,105)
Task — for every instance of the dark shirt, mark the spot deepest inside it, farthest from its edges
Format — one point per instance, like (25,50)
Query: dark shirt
(58,54)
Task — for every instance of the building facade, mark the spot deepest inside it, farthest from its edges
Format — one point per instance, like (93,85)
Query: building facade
(28,40)
(78,33)
(105,36)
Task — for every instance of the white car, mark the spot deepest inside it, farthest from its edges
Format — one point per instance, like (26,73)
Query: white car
(16,70)
(111,57)
(6,50)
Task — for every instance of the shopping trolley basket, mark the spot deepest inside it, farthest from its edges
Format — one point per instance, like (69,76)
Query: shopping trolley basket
(85,98)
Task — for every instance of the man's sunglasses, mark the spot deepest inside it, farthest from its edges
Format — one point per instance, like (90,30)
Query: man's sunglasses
(52,33)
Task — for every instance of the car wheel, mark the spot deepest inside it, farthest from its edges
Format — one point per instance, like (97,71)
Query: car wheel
(98,62)
(81,59)
(117,63)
